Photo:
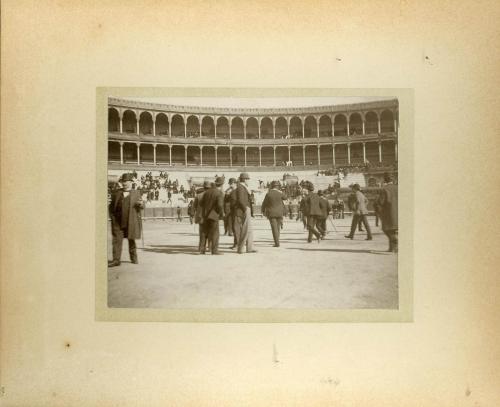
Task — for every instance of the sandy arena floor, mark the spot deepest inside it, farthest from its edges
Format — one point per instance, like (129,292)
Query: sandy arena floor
(337,273)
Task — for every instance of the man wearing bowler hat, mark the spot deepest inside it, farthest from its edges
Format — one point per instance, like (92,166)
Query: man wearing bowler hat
(325,211)
(228,223)
(387,208)
(212,204)
(360,212)
(272,208)
(313,212)
(243,212)
(124,210)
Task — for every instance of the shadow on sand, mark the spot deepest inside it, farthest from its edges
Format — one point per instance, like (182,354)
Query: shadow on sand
(172,249)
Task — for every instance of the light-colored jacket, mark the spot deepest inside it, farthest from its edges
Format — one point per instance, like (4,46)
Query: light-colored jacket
(361,203)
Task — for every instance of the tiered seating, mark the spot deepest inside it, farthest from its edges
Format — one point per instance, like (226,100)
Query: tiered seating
(353,178)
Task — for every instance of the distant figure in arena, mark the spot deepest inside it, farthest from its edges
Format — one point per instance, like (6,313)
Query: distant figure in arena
(387,208)
(243,212)
(360,212)
(169,195)
(212,204)
(272,209)
(313,213)
(124,210)
(325,211)
(179,214)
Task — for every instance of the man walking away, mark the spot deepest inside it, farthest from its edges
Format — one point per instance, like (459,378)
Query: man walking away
(313,212)
(387,209)
(243,215)
(272,208)
(212,204)
(360,212)
(325,211)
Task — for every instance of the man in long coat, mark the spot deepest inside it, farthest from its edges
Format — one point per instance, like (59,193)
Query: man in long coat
(325,211)
(272,208)
(360,212)
(228,216)
(243,212)
(124,211)
(313,212)
(387,208)
(198,215)
(212,204)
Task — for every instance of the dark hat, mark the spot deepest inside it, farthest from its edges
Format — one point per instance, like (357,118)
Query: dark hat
(207,184)
(198,190)
(244,175)
(320,193)
(356,187)
(310,186)
(387,177)
(127,177)
(232,180)
(219,181)
(275,184)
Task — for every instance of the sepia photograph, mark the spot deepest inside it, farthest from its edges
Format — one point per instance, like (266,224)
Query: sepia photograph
(262,203)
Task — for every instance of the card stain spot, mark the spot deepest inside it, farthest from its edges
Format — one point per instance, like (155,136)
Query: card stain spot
(54,394)
(339,59)
(467,392)
(67,344)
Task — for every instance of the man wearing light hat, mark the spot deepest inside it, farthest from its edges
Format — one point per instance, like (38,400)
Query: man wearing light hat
(212,204)
(313,212)
(124,210)
(272,208)
(243,212)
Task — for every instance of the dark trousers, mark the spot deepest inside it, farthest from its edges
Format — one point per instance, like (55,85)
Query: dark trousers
(356,219)
(203,238)
(232,221)
(275,228)
(228,225)
(211,232)
(321,225)
(118,236)
(392,235)
(312,222)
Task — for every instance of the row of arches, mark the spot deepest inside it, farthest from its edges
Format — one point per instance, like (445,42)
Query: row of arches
(176,125)
(223,156)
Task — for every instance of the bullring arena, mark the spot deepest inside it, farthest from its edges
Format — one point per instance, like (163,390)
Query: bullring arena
(171,149)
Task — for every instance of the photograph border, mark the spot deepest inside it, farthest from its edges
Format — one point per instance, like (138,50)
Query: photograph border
(252,315)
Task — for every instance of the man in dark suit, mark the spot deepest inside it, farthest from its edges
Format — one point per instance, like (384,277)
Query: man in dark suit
(387,208)
(243,212)
(325,211)
(360,212)
(198,215)
(313,212)
(228,217)
(272,208)
(212,204)
(124,210)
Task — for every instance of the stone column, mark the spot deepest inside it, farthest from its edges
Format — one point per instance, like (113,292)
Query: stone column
(185,128)
(230,156)
(185,156)
(199,122)
(317,127)
(170,154)
(215,127)
(154,154)
(348,153)
(137,132)
(379,152)
(230,122)
(348,127)
(169,127)
(303,128)
(274,155)
(121,122)
(304,155)
(260,156)
(364,153)
(364,130)
(245,132)
(274,129)
(258,122)
(378,125)
(333,155)
(154,126)
(245,155)
(215,155)
(138,153)
(288,127)
(121,152)
(289,150)
(396,151)
(333,127)
(201,156)
(319,156)
(395,126)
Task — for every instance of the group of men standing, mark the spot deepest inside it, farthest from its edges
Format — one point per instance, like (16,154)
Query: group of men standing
(234,207)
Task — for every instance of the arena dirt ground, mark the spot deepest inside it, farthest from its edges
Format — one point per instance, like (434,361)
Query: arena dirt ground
(337,273)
